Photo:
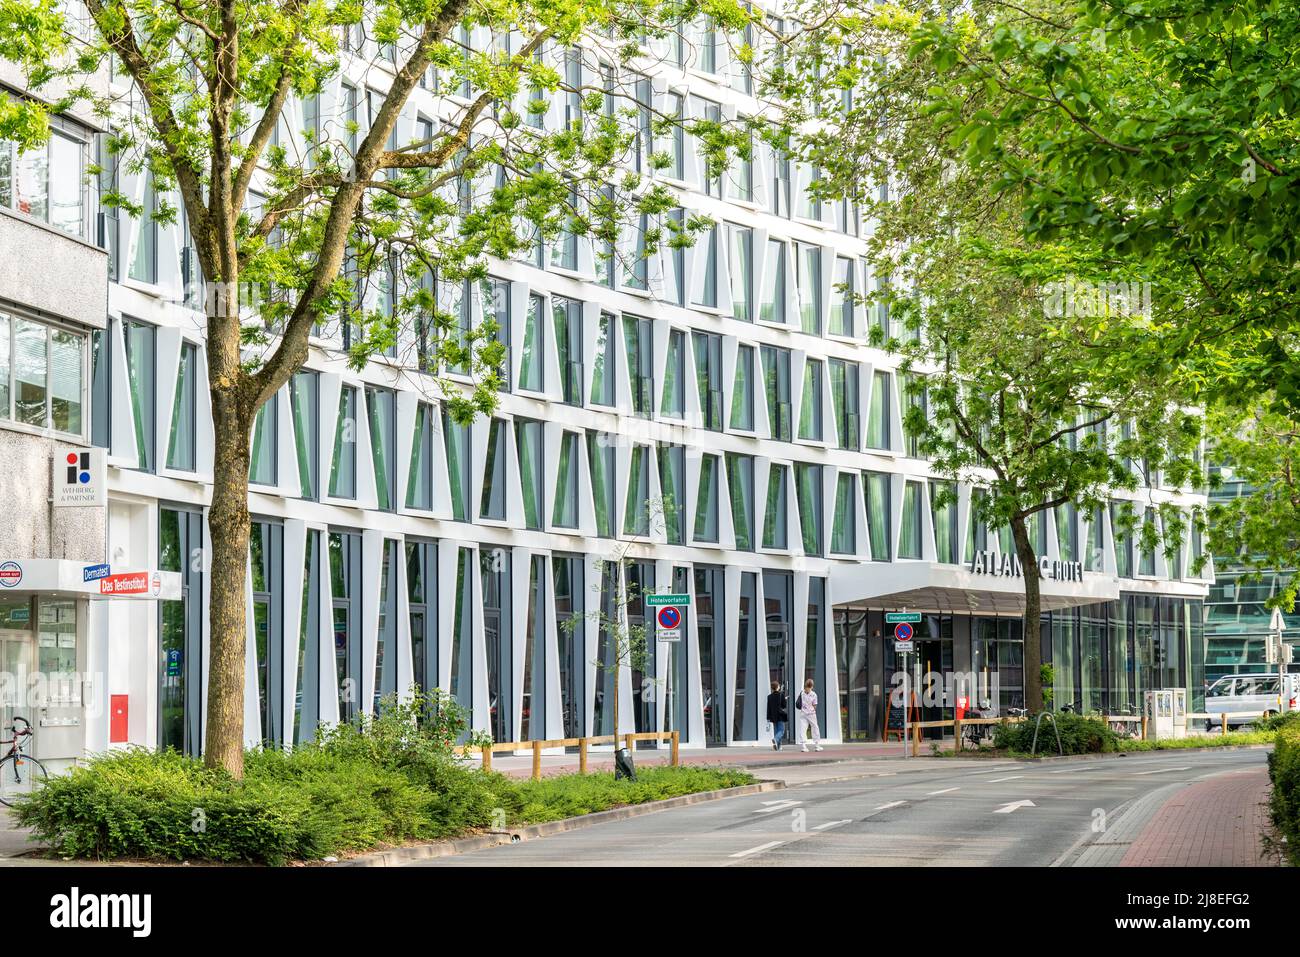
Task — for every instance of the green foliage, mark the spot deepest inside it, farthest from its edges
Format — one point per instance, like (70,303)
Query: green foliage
(1080,734)
(1047,675)
(1284,770)
(385,780)
(1277,721)
(1233,739)
(554,798)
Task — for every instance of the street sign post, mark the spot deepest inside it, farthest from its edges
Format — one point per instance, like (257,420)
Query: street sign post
(669,612)
(903,637)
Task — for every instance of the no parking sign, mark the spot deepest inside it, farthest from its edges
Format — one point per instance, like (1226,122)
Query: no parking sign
(902,636)
(669,611)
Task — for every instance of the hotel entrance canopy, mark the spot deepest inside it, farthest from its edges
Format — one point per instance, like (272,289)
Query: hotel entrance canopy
(955,589)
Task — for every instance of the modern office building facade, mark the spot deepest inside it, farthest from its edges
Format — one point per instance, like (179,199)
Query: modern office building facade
(391,547)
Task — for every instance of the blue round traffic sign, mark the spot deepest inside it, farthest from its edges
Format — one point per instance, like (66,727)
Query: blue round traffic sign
(902,631)
(669,617)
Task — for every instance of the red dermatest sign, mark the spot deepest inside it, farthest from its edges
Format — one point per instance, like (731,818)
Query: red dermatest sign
(128,583)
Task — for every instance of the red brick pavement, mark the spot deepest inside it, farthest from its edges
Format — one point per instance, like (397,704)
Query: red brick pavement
(1215,823)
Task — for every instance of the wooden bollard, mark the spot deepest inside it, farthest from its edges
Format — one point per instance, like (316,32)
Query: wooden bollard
(487,758)
(956,735)
(916,740)
(677,740)
(1224,718)
(537,760)
(582,755)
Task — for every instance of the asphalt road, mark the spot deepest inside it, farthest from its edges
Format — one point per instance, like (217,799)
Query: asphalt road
(946,812)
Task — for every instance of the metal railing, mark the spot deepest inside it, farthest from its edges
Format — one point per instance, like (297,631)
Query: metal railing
(582,744)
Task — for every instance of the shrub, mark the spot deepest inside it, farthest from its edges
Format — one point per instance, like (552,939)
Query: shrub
(570,795)
(1080,734)
(1277,721)
(1284,771)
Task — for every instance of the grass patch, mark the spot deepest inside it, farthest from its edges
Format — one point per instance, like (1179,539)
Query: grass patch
(571,795)
(1230,740)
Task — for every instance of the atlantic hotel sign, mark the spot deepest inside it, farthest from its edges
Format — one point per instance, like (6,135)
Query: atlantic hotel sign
(1007,565)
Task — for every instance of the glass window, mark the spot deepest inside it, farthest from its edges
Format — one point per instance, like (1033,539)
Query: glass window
(742,392)
(706,293)
(636,518)
(565,513)
(636,335)
(844,396)
(67,184)
(810,288)
(601,460)
(493,501)
(706,500)
(180,446)
(672,485)
(456,439)
(604,367)
(528,439)
(674,403)
(262,468)
(740,250)
(943,511)
(909,540)
(1067,531)
(381,406)
(304,401)
(141,366)
(343,471)
(771,307)
(708,378)
(419,479)
(774,515)
(495,297)
(144,266)
(776,374)
(530,371)
(844,530)
(876,486)
(808,485)
(1121,517)
(879,412)
(567,315)
(842,296)
(810,411)
(740,482)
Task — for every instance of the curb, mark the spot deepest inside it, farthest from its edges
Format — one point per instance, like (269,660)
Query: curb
(397,856)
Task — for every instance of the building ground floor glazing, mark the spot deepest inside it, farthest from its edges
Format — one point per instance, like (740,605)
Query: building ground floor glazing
(339,618)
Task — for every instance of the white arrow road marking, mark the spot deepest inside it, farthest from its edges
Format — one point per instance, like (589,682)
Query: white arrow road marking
(1164,770)
(776,806)
(1000,780)
(830,824)
(760,849)
(886,807)
(944,791)
(1008,808)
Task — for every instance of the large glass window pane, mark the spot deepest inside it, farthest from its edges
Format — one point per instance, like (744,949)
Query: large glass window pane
(876,486)
(141,359)
(708,378)
(380,403)
(740,483)
(640,367)
(909,539)
(67,187)
(775,533)
(528,440)
(742,393)
(810,289)
(604,368)
(842,296)
(600,459)
(31,371)
(565,513)
(343,471)
(673,403)
(810,411)
(419,479)
(672,484)
(808,483)
(944,515)
(844,531)
(776,374)
(456,440)
(493,501)
(180,445)
(567,316)
(741,252)
(66,370)
(706,501)
(530,371)
(32,184)
(771,307)
(144,266)
(879,412)
(636,519)
(262,469)
(303,398)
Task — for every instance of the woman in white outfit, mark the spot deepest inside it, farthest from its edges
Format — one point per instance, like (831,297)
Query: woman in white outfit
(806,706)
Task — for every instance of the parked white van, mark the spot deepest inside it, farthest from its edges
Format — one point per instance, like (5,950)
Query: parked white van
(1257,693)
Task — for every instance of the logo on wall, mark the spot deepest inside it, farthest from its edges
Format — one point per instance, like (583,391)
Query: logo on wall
(80,476)
(11,573)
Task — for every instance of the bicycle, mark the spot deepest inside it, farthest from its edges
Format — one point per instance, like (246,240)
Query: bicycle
(21,775)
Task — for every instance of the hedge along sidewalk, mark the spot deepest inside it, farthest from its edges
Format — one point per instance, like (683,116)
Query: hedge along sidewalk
(397,856)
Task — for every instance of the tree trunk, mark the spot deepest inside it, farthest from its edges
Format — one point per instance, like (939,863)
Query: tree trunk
(1033,642)
(228,523)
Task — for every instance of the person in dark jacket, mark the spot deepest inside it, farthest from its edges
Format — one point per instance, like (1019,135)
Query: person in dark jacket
(776,714)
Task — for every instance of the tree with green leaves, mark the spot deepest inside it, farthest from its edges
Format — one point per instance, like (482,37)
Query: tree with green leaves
(1257,530)
(1018,353)
(311,217)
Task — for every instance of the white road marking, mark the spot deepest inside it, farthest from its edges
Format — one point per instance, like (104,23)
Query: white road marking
(886,807)
(1008,808)
(1163,770)
(1009,778)
(1072,770)
(830,824)
(944,791)
(777,806)
(760,849)
(1007,767)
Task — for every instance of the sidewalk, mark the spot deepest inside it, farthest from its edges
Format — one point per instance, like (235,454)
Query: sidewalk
(1215,823)
(13,839)
(521,765)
